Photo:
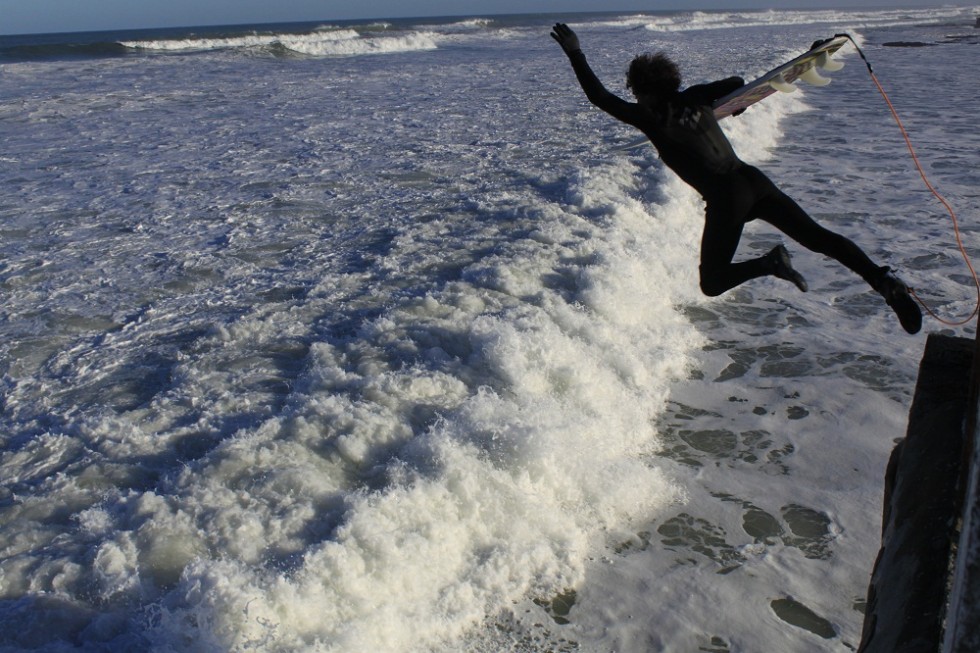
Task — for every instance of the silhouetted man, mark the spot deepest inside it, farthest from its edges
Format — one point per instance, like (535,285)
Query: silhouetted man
(682,126)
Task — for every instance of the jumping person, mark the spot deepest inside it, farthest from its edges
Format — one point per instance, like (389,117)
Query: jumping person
(682,126)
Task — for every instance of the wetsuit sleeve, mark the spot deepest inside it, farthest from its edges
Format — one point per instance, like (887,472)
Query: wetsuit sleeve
(708,93)
(598,95)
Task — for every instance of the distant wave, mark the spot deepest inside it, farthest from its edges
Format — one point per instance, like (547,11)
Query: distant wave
(475,22)
(323,42)
(411,42)
(242,41)
(714,20)
(700,20)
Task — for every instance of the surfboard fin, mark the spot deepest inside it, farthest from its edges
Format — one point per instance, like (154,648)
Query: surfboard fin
(813,77)
(826,63)
(781,85)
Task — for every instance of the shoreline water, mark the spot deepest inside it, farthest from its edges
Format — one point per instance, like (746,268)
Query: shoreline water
(394,352)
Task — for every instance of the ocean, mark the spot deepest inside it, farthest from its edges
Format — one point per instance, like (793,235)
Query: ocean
(377,336)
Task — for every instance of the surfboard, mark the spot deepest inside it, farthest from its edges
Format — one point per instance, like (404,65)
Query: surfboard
(806,67)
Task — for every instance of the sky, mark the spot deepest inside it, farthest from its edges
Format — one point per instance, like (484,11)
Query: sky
(45,16)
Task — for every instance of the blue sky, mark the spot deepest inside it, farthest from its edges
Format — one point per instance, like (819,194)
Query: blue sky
(38,16)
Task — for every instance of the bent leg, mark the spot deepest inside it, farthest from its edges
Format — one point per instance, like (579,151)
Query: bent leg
(722,231)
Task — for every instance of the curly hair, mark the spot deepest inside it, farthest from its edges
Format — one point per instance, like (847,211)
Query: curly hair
(653,74)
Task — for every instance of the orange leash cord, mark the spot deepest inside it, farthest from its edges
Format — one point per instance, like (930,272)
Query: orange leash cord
(942,200)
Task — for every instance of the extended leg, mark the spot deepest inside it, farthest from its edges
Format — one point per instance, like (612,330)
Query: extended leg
(783,213)
(779,210)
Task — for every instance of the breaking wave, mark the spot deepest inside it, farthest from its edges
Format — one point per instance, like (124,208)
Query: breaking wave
(319,43)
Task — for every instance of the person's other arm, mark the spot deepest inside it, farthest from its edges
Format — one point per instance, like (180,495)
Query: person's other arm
(712,91)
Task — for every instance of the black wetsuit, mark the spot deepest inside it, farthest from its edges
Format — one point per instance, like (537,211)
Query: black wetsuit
(690,142)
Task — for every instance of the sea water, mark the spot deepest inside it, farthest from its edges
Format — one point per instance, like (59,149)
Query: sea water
(378,337)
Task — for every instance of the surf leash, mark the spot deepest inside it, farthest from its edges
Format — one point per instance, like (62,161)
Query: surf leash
(932,189)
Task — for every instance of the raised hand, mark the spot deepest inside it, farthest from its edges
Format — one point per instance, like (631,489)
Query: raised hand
(566,38)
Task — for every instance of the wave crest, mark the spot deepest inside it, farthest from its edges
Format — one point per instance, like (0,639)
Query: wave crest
(411,42)
(320,43)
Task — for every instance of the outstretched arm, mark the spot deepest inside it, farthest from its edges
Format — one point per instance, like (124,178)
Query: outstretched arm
(594,90)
